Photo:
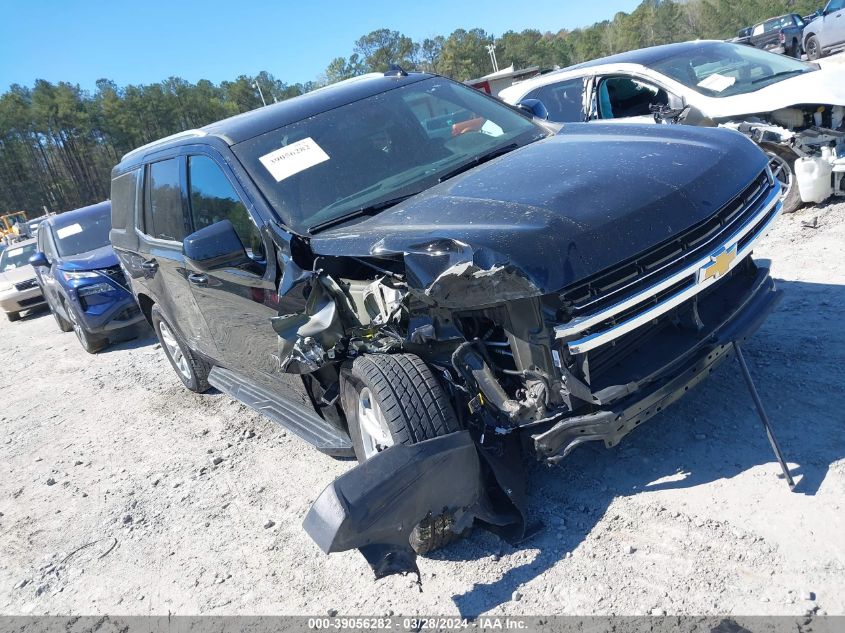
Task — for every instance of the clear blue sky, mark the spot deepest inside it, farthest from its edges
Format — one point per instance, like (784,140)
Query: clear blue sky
(142,42)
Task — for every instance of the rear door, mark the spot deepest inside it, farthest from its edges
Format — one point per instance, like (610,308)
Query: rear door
(236,302)
(564,100)
(162,226)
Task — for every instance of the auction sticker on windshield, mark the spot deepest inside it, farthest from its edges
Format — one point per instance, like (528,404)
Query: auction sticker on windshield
(67,231)
(294,158)
(717,82)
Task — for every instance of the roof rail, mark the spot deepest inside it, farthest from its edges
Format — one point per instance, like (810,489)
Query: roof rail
(163,141)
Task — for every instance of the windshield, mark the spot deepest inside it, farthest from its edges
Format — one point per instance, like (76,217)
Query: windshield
(382,148)
(720,69)
(88,233)
(16,256)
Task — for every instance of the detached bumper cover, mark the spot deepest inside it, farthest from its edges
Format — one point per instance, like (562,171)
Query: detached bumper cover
(375,506)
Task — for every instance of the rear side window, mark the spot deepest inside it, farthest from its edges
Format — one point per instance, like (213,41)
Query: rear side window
(163,215)
(563,100)
(213,199)
(123,196)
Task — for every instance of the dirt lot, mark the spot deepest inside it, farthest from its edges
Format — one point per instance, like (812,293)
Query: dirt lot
(123,493)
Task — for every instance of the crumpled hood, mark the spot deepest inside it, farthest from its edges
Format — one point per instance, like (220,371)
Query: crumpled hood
(99,258)
(825,86)
(561,209)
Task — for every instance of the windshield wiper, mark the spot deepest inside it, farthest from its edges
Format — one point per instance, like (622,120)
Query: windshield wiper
(783,73)
(483,158)
(371,209)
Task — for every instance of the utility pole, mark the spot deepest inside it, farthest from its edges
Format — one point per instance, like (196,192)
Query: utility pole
(260,94)
(491,50)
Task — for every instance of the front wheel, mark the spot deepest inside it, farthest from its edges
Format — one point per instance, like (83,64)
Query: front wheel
(63,323)
(813,48)
(395,399)
(781,162)
(91,343)
(13,316)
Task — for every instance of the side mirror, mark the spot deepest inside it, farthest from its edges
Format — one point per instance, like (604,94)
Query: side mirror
(533,108)
(38,260)
(214,246)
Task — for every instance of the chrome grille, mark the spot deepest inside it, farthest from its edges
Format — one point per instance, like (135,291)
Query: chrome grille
(617,310)
(26,285)
(609,286)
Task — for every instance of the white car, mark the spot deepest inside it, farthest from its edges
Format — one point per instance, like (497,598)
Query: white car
(19,288)
(792,109)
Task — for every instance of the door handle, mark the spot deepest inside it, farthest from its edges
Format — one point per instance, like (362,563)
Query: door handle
(150,265)
(198,279)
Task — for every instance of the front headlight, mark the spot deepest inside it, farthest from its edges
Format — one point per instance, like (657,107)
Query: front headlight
(94,289)
(78,274)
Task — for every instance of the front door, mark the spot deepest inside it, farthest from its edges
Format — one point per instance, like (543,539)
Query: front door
(237,302)
(163,227)
(628,99)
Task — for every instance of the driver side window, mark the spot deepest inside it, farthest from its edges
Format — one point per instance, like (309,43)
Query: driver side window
(623,97)
(213,199)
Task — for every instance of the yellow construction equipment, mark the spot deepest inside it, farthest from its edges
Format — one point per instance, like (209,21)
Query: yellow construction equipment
(9,223)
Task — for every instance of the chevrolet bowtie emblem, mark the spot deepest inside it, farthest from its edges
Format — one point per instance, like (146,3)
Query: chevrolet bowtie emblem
(720,263)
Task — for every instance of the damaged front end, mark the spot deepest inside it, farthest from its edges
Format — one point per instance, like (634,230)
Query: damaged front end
(813,136)
(528,371)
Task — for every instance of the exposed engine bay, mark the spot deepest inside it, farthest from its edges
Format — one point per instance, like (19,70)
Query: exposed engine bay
(815,136)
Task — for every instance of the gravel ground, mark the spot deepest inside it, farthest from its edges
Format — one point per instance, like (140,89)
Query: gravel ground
(122,493)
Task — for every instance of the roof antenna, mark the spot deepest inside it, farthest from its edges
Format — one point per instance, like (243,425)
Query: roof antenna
(395,70)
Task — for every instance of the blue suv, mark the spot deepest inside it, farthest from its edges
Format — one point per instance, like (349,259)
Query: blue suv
(81,278)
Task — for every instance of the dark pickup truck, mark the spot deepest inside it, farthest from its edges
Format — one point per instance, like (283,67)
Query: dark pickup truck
(783,34)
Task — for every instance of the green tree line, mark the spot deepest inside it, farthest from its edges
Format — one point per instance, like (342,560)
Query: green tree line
(58,142)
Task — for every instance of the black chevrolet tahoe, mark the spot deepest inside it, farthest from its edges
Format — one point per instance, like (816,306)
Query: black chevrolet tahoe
(403,269)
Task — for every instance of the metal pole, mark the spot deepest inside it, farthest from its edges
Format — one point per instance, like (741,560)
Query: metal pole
(491,50)
(763,417)
(260,94)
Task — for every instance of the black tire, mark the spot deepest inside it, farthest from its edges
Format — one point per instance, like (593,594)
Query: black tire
(197,369)
(813,48)
(794,50)
(63,323)
(91,343)
(13,316)
(415,408)
(782,162)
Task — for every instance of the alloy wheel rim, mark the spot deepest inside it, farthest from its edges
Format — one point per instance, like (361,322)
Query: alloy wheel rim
(375,434)
(171,346)
(782,172)
(74,322)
